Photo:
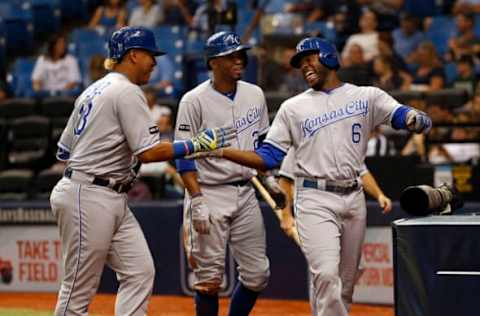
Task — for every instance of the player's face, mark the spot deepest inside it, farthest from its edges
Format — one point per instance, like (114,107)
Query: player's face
(145,64)
(231,66)
(313,72)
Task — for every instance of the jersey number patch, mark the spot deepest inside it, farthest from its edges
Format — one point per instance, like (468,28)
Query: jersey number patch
(83,113)
(356,135)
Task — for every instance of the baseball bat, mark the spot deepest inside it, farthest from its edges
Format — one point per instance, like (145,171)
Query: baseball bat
(271,202)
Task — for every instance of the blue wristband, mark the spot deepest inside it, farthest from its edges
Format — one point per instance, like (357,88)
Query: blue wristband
(182,148)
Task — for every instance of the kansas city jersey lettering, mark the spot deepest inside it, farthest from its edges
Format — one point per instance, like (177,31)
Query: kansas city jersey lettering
(354,108)
(249,119)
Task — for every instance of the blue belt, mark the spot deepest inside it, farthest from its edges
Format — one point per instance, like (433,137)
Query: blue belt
(339,186)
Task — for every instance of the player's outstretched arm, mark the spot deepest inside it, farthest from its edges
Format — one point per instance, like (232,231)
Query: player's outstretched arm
(245,158)
(208,140)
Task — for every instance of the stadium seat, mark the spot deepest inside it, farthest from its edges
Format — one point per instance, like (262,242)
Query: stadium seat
(28,142)
(170,39)
(3,47)
(17,107)
(77,10)
(405,97)
(18,23)
(58,110)
(46,16)
(450,98)
(450,73)
(3,143)
(15,184)
(20,77)
(44,182)
(57,106)
(440,31)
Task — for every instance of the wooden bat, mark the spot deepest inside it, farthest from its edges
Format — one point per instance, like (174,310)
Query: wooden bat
(271,202)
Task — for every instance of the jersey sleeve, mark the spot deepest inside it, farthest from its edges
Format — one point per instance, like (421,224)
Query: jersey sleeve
(66,140)
(288,165)
(135,120)
(384,107)
(279,134)
(264,120)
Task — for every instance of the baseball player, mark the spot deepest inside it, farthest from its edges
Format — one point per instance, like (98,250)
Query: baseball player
(220,205)
(109,128)
(286,181)
(328,126)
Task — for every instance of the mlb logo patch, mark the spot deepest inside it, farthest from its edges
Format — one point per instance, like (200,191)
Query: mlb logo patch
(184,127)
(153,130)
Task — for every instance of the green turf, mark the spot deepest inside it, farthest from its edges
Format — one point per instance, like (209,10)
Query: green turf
(22,312)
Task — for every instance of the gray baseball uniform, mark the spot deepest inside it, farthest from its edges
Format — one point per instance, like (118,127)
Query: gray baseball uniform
(236,216)
(110,124)
(329,134)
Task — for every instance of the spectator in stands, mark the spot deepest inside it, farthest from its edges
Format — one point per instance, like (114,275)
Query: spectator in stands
(179,12)
(367,39)
(315,9)
(429,76)
(290,78)
(408,36)
(355,69)
(56,72)
(386,75)
(162,76)
(466,78)
(464,41)
(96,70)
(109,17)
(4,91)
(463,148)
(386,11)
(148,13)
(466,6)
(268,67)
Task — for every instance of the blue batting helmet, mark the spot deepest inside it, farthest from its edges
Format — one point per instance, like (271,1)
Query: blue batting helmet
(327,53)
(132,37)
(222,44)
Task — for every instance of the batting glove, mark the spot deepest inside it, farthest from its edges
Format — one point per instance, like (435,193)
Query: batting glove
(200,215)
(213,138)
(418,122)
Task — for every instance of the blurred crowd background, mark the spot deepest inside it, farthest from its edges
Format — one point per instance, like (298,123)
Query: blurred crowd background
(426,53)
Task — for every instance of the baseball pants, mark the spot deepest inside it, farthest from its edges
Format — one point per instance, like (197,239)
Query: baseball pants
(331,229)
(97,228)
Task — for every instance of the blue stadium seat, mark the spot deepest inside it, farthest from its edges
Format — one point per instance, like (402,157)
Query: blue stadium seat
(170,39)
(440,31)
(20,77)
(84,43)
(46,16)
(450,73)
(77,9)
(3,49)
(19,28)
(276,6)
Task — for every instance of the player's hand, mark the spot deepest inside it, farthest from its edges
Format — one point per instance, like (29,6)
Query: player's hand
(200,215)
(213,138)
(418,122)
(275,191)
(385,203)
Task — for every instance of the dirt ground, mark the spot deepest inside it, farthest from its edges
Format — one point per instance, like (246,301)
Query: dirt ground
(180,305)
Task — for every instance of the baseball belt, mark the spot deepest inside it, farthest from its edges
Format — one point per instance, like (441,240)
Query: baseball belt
(335,186)
(86,178)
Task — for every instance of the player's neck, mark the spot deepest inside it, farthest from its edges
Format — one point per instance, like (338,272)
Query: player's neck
(331,82)
(127,72)
(224,86)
